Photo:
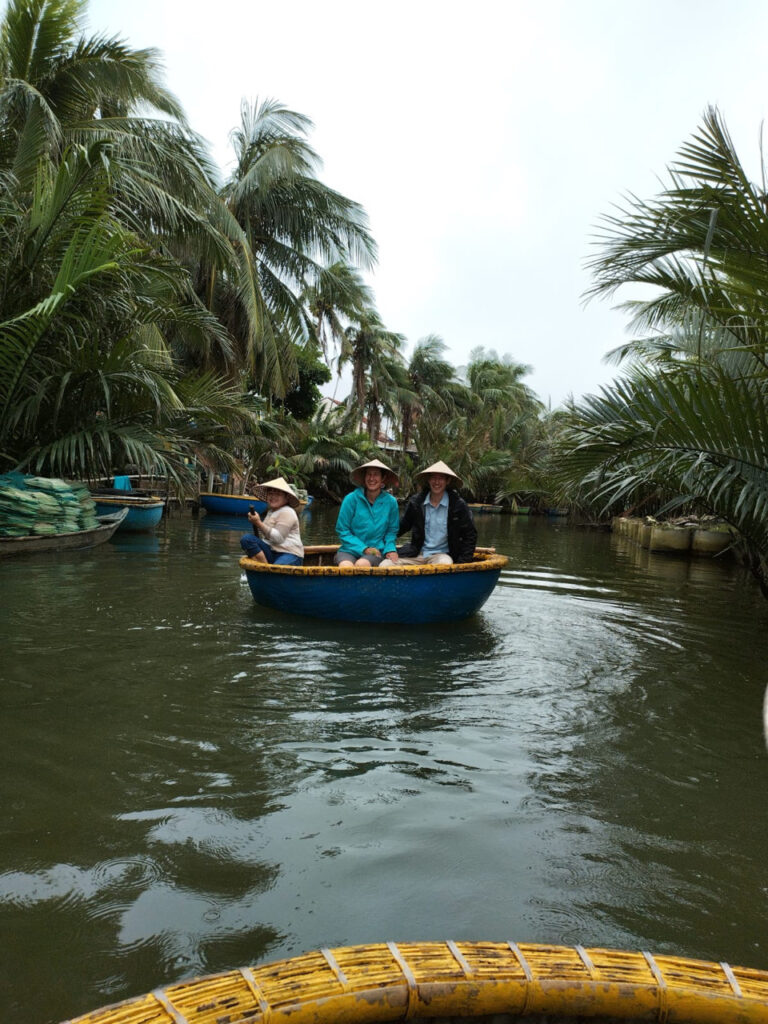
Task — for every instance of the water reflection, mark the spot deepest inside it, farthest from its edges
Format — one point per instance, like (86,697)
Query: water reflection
(194,782)
(224,523)
(148,543)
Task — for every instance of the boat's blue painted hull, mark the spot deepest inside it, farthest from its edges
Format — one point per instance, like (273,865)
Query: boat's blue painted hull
(231,504)
(144,516)
(413,596)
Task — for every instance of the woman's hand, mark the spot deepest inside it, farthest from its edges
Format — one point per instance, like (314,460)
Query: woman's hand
(392,556)
(372,551)
(254,518)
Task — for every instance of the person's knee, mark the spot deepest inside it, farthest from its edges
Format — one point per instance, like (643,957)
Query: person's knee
(288,560)
(343,558)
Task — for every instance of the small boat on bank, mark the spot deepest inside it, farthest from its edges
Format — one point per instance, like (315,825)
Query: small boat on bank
(240,504)
(458,981)
(70,541)
(231,504)
(411,594)
(486,509)
(144,513)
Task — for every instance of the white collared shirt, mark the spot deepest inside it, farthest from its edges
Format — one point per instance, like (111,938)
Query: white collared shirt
(435,526)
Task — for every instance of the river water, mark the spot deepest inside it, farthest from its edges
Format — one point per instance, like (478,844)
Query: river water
(191,783)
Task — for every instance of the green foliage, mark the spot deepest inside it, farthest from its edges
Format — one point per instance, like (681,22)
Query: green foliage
(488,430)
(86,380)
(284,227)
(136,297)
(304,395)
(151,314)
(91,298)
(317,454)
(687,426)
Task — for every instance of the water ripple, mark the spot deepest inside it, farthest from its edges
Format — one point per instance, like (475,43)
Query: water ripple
(193,782)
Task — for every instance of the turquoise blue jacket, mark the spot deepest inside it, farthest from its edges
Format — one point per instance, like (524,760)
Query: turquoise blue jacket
(362,525)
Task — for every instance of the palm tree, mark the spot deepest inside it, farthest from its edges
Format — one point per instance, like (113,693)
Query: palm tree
(431,387)
(96,105)
(325,451)
(94,197)
(372,352)
(496,412)
(685,440)
(497,384)
(687,427)
(86,378)
(60,89)
(336,298)
(701,245)
(285,225)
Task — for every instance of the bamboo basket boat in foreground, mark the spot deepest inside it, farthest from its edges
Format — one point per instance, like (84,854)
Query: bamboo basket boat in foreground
(411,594)
(458,980)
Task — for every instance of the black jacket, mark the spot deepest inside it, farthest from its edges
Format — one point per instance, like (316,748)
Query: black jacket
(462,533)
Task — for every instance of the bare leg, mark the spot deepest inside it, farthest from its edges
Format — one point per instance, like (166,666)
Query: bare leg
(260,557)
(363,563)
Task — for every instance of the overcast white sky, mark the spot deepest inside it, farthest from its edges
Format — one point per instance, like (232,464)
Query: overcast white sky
(484,139)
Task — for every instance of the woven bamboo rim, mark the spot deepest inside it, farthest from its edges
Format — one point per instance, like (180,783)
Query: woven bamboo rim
(389,982)
(129,501)
(484,562)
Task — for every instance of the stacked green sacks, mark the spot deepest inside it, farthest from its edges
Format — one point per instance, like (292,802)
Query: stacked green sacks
(82,496)
(18,509)
(43,506)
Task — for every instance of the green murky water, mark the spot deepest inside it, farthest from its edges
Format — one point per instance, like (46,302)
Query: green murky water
(191,783)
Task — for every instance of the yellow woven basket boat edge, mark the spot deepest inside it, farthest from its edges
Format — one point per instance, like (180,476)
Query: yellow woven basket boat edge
(394,982)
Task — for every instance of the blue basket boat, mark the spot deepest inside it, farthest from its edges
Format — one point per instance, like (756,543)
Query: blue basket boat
(231,504)
(143,513)
(239,504)
(411,594)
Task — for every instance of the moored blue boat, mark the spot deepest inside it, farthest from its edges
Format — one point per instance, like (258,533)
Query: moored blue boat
(412,594)
(231,504)
(143,513)
(477,506)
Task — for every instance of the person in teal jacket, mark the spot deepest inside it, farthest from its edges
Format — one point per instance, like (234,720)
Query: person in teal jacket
(369,518)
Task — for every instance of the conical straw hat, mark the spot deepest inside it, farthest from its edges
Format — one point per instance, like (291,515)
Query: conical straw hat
(358,475)
(278,484)
(439,467)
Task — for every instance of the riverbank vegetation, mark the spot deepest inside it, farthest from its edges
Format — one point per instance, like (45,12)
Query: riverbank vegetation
(153,314)
(156,315)
(685,427)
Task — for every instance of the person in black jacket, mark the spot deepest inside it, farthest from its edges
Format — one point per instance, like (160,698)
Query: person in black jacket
(441,524)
